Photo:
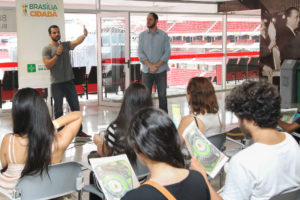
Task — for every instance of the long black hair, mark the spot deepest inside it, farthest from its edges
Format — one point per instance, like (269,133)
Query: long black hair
(31,117)
(136,97)
(153,134)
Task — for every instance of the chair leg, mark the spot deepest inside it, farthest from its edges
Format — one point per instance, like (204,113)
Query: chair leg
(80,195)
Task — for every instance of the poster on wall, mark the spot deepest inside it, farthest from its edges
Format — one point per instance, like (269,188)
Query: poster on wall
(33,19)
(280,34)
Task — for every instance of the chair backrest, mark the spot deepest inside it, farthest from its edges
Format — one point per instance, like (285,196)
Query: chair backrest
(79,74)
(10,80)
(117,71)
(140,170)
(64,178)
(231,65)
(92,77)
(243,61)
(135,72)
(293,194)
(218,140)
(254,61)
(232,61)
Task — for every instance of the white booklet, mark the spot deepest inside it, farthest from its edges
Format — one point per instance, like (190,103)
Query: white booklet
(115,175)
(288,114)
(206,153)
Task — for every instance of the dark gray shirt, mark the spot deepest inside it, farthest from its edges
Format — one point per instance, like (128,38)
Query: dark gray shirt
(62,70)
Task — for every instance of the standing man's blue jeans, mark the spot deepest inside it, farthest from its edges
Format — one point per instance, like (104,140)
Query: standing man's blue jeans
(61,90)
(161,85)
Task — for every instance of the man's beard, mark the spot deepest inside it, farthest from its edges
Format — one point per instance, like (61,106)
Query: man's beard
(55,39)
(151,26)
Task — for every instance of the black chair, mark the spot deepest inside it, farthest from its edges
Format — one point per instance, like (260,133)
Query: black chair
(292,194)
(231,69)
(135,72)
(218,140)
(114,79)
(9,86)
(91,82)
(79,80)
(253,66)
(242,68)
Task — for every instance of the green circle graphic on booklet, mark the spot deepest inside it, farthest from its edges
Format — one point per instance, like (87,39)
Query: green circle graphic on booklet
(203,152)
(116,178)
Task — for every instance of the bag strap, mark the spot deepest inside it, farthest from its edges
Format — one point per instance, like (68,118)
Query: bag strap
(196,121)
(161,189)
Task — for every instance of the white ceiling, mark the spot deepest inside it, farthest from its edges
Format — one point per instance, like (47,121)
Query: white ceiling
(192,1)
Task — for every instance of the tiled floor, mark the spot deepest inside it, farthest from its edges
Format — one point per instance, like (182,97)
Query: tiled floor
(95,118)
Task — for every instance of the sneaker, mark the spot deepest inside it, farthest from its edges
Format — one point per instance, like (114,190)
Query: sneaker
(82,136)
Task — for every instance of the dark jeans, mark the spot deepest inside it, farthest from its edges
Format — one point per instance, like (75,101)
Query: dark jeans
(61,90)
(161,85)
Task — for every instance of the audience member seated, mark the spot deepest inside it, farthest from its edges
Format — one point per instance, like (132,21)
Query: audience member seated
(154,138)
(33,145)
(204,108)
(136,97)
(272,164)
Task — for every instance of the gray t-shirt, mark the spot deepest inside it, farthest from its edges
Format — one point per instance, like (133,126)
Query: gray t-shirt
(62,70)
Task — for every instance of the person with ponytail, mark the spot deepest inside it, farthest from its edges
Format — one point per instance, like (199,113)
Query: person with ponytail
(33,145)
(154,138)
(204,108)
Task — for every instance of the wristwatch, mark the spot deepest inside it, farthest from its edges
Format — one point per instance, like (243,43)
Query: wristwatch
(57,55)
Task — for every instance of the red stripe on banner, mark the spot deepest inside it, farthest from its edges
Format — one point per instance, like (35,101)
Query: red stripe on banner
(9,64)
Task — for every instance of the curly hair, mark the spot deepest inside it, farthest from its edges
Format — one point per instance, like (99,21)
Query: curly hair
(255,101)
(202,96)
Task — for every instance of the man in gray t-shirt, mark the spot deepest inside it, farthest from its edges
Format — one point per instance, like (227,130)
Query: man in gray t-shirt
(56,58)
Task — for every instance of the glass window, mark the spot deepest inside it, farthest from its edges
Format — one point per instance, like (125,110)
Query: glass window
(8,47)
(84,54)
(195,51)
(242,48)
(196,47)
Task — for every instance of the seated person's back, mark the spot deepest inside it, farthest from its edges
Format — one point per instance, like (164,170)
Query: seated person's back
(203,106)
(270,165)
(33,145)
(262,170)
(156,142)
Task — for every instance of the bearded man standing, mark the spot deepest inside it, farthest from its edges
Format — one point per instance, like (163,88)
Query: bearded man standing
(154,53)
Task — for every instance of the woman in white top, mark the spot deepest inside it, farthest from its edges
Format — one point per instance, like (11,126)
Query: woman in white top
(33,145)
(204,108)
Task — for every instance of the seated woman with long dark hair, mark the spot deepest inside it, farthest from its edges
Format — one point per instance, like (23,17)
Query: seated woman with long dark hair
(33,145)
(155,140)
(204,108)
(136,97)
(113,143)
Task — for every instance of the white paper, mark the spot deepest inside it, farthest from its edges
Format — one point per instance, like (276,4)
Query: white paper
(206,153)
(115,175)
(288,114)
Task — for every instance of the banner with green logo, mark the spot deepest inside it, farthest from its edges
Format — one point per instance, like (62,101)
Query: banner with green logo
(33,20)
